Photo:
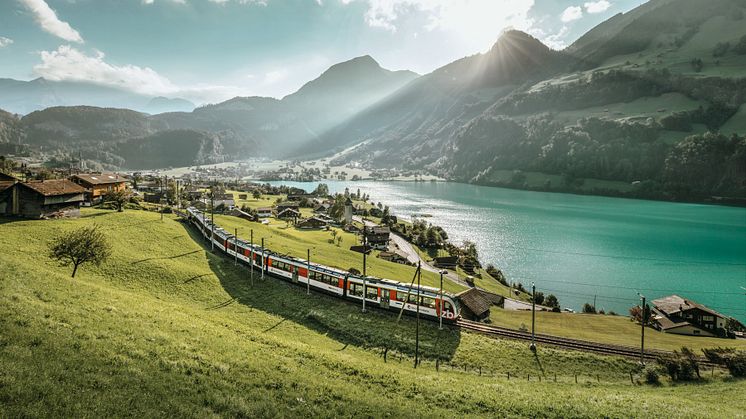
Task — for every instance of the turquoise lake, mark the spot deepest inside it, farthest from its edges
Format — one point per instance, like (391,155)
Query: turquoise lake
(585,247)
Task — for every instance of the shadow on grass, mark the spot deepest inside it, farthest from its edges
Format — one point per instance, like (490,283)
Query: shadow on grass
(166,257)
(326,314)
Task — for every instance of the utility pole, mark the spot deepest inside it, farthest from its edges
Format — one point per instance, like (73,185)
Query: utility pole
(642,330)
(308,272)
(440,315)
(533,317)
(417,327)
(251,261)
(212,220)
(264,259)
(365,273)
(235,247)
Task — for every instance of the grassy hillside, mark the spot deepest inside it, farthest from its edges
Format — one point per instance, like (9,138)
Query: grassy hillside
(165,328)
(617,330)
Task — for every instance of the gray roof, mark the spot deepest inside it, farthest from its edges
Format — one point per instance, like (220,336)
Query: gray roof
(674,304)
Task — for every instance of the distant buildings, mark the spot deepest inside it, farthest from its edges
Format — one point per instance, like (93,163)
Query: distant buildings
(674,314)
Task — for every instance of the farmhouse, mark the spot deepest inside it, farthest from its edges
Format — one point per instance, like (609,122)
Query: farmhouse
(448,262)
(311,223)
(674,314)
(377,237)
(264,212)
(285,205)
(288,214)
(41,199)
(99,184)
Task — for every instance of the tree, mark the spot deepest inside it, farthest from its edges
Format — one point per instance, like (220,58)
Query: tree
(636,314)
(256,194)
(321,190)
(589,309)
(552,301)
(86,244)
(118,198)
(539,297)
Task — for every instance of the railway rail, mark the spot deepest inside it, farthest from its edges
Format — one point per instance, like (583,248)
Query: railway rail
(568,343)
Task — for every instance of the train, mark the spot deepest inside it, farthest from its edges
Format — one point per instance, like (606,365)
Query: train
(370,291)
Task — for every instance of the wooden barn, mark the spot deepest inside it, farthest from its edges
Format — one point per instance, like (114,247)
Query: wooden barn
(41,199)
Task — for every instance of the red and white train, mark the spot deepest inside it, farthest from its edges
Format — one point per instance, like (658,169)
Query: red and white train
(384,293)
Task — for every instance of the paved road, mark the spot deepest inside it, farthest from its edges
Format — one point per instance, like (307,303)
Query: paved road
(405,247)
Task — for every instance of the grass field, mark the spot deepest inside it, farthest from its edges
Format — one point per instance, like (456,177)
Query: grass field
(618,330)
(166,328)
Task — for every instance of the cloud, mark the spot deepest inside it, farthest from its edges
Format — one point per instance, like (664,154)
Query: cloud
(172,1)
(571,13)
(4,42)
(70,64)
(557,41)
(599,6)
(275,76)
(48,20)
(469,17)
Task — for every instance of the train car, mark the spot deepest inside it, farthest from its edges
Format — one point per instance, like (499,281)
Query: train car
(383,293)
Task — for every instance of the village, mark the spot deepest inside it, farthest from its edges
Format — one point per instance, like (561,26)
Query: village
(377,233)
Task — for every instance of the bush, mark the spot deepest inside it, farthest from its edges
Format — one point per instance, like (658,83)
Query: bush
(650,373)
(589,309)
(734,361)
(681,366)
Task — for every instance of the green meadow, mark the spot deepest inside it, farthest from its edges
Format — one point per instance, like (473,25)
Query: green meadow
(166,328)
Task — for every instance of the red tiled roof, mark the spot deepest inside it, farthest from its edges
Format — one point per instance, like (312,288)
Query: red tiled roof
(54,187)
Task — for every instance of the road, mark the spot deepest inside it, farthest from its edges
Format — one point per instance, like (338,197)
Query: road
(405,247)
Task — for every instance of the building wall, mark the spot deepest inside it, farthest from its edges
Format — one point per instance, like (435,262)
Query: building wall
(689,330)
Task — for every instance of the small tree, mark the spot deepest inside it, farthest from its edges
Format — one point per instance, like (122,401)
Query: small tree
(589,308)
(551,301)
(86,244)
(118,198)
(256,194)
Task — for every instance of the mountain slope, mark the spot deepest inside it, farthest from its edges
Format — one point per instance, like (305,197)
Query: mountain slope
(410,126)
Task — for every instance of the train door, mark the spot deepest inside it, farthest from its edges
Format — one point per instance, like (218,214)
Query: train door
(385,298)
(295,274)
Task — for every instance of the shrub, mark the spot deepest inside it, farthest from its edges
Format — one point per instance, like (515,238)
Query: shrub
(681,366)
(589,309)
(734,361)
(650,373)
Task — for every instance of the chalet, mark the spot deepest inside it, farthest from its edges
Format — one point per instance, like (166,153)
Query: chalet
(322,208)
(396,257)
(286,204)
(311,223)
(99,184)
(674,314)
(224,199)
(4,177)
(446,262)
(264,212)
(377,237)
(288,214)
(361,249)
(41,199)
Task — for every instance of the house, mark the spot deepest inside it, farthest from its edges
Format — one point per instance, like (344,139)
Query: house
(225,199)
(288,214)
(395,257)
(99,184)
(675,314)
(474,306)
(377,237)
(446,262)
(264,212)
(285,205)
(311,223)
(41,199)
(322,208)
(4,177)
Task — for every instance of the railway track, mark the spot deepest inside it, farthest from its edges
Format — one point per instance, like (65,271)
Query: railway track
(574,344)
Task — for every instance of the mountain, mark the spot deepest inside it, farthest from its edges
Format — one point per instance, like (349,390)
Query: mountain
(24,97)
(409,127)
(299,118)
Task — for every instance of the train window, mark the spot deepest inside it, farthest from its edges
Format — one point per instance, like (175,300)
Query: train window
(371,293)
(356,289)
(428,302)
(447,306)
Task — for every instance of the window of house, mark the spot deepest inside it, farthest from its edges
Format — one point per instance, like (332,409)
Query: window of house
(708,318)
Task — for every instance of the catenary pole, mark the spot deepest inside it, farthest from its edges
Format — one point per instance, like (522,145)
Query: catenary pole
(642,330)
(264,259)
(235,247)
(308,272)
(417,327)
(251,261)
(440,314)
(533,317)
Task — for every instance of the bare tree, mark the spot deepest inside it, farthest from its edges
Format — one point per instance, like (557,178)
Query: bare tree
(86,244)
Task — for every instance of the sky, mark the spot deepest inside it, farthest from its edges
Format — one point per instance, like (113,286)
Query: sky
(211,50)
